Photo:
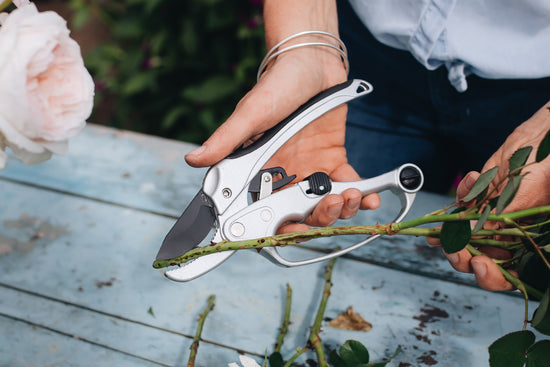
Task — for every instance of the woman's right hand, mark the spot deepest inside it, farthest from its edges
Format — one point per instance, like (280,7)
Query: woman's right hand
(291,80)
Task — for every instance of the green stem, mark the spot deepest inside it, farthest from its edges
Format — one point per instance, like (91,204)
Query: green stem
(506,245)
(195,345)
(396,227)
(404,228)
(4,4)
(536,225)
(535,293)
(441,211)
(436,232)
(314,340)
(286,320)
(298,353)
(533,243)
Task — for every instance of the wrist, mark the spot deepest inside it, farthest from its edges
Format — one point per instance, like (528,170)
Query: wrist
(284,18)
(321,43)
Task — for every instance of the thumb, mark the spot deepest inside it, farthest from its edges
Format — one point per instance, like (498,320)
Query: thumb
(466,185)
(229,136)
(269,102)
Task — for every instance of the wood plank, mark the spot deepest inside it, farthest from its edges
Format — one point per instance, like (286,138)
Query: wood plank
(29,345)
(98,256)
(118,166)
(150,174)
(109,337)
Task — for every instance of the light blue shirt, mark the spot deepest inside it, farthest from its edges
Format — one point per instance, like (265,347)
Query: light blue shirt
(494,39)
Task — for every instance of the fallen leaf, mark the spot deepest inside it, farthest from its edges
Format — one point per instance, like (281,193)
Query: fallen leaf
(350,320)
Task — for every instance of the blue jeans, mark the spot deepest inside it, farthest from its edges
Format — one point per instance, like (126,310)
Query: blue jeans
(415,115)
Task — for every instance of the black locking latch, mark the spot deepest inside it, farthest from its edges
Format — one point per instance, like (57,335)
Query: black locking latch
(319,183)
(274,171)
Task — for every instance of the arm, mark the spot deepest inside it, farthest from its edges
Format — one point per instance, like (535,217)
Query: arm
(288,82)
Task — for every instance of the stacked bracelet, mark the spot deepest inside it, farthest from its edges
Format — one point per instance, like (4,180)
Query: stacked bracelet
(276,50)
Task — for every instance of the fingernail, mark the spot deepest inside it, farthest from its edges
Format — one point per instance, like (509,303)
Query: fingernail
(198,151)
(469,182)
(354,203)
(479,268)
(334,210)
(453,258)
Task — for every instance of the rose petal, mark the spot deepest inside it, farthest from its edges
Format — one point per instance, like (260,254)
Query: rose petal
(248,362)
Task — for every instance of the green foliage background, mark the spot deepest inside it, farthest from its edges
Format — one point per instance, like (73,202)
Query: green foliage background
(172,68)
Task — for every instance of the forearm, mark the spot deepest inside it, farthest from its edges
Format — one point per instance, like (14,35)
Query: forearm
(286,17)
(321,64)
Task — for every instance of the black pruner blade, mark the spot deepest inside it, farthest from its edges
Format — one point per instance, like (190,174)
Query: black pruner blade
(190,229)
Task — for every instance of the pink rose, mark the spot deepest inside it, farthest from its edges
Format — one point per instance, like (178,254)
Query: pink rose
(46,93)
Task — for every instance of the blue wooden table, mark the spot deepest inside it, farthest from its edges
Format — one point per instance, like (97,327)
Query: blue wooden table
(78,235)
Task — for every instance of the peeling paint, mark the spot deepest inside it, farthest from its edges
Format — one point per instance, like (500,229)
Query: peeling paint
(31,231)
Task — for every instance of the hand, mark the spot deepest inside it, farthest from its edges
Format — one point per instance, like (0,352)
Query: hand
(295,77)
(533,191)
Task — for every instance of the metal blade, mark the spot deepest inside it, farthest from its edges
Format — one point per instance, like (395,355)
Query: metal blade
(190,229)
(197,267)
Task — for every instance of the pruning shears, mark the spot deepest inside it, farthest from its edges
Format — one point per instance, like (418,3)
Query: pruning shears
(241,200)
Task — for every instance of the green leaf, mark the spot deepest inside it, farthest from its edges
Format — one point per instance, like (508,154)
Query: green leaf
(544,148)
(538,355)
(455,235)
(541,317)
(354,353)
(137,83)
(531,268)
(276,360)
(519,158)
(335,359)
(483,218)
(508,193)
(150,311)
(481,184)
(384,363)
(510,349)
(172,116)
(80,17)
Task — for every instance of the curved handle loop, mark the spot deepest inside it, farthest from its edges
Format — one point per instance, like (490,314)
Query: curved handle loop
(406,196)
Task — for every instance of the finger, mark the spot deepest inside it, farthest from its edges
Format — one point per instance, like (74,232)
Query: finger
(495,253)
(326,212)
(466,184)
(488,274)
(260,109)
(352,197)
(434,241)
(239,128)
(346,173)
(370,201)
(352,202)
(460,260)
(292,227)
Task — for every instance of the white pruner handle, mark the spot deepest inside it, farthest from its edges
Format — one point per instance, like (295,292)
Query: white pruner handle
(404,182)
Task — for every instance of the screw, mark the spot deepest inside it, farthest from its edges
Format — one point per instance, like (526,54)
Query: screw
(226,193)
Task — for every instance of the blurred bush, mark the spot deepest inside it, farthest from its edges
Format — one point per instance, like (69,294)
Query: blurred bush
(172,68)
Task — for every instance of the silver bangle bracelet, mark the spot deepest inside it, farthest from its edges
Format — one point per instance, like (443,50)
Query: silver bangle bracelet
(274,52)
